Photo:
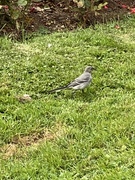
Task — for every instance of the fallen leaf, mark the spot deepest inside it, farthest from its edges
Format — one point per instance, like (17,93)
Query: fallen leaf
(117,27)
(105,7)
(132,11)
(24,98)
(124,6)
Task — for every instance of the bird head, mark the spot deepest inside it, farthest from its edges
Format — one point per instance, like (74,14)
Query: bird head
(89,69)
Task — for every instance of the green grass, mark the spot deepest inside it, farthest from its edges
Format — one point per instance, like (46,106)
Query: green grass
(62,136)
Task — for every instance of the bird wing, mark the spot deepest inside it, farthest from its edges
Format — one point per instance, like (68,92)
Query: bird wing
(85,77)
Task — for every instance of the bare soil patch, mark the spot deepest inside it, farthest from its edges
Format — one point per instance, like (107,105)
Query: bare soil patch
(19,145)
(50,16)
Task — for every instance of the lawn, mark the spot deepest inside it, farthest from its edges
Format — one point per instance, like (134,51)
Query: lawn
(66,136)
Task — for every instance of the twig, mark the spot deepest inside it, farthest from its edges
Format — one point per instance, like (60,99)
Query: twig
(3,27)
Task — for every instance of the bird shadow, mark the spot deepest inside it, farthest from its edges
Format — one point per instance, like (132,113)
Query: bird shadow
(84,96)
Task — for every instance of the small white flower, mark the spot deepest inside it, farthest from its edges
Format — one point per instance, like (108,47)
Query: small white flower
(49,45)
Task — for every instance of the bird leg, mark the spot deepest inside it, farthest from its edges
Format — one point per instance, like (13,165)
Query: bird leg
(83,91)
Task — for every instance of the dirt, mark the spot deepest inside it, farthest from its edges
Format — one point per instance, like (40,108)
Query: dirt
(19,144)
(59,16)
(52,15)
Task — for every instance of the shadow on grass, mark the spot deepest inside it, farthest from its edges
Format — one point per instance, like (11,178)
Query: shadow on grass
(86,96)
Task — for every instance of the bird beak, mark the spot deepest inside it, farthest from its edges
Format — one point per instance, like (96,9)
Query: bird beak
(93,68)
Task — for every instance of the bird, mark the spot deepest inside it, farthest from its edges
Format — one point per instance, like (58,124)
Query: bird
(80,82)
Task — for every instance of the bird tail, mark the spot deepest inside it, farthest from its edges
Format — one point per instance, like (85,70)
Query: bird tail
(57,89)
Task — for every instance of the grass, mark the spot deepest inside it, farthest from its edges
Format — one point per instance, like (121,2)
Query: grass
(60,136)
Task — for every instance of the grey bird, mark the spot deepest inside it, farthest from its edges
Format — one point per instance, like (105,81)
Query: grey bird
(80,82)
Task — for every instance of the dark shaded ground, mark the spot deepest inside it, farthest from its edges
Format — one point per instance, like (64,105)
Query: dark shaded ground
(60,16)
(54,15)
